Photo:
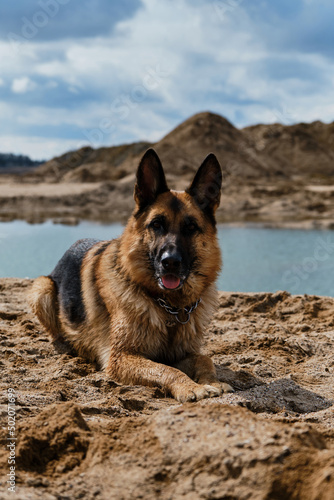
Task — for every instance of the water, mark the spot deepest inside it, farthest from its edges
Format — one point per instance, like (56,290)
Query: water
(259,259)
(255,259)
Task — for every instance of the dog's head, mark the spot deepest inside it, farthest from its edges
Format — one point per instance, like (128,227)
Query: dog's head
(174,245)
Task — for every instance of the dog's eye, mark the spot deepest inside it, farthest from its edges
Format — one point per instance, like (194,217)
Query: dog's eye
(157,225)
(191,227)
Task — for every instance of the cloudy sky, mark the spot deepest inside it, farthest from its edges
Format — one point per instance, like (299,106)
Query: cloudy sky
(105,72)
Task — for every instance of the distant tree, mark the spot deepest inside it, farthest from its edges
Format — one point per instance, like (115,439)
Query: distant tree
(9,161)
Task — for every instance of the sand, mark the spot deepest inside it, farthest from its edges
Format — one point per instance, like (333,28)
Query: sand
(80,435)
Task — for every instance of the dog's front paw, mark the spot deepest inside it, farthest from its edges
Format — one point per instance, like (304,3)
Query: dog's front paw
(212,381)
(222,387)
(195,392)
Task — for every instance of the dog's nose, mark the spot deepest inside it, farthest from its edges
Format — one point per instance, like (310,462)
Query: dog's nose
(171,261)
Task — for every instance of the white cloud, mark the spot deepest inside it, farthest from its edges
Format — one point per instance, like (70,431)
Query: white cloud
(22,85)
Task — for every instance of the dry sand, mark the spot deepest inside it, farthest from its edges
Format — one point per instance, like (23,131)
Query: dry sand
(80,435)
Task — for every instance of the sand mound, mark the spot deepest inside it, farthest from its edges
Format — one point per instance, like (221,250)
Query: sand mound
(54,441)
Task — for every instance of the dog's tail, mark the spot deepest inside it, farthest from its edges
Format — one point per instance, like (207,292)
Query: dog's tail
(44,303)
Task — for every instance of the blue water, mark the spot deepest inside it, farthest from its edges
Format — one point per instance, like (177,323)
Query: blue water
(255,259)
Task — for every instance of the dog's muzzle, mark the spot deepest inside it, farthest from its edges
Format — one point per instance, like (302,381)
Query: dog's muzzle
(171,270)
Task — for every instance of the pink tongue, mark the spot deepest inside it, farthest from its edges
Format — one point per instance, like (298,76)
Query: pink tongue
(170,281)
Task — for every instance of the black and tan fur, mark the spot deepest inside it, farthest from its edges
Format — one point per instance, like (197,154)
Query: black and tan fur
(103,295)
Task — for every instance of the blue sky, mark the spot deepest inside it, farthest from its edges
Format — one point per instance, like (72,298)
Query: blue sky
(101,72)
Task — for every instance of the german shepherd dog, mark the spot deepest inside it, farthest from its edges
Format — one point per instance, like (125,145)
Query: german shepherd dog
(139,304)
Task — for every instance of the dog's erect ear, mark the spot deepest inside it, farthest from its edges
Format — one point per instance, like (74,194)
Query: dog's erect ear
(151,179)
(206,186)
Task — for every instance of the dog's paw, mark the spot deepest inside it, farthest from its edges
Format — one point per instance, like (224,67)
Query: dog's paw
(226,387)
(195,392)
(212,390)
(222,387)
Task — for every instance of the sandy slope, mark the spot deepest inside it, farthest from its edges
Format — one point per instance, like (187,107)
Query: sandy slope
(82,436)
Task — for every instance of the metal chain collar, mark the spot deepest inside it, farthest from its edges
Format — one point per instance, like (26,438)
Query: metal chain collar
(175,311)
